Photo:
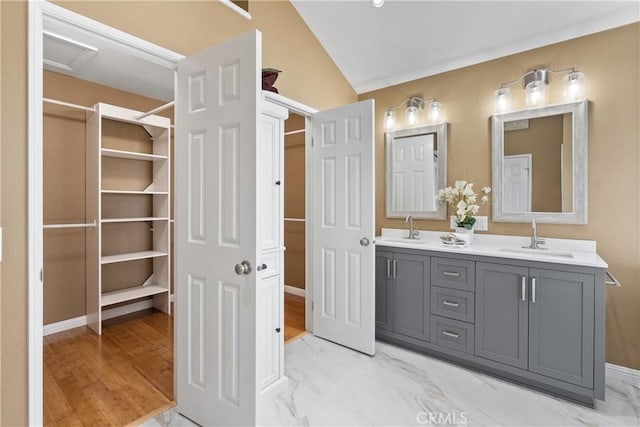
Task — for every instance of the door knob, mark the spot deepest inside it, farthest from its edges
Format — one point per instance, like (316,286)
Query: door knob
(262,267)
(364,242)
(243,268)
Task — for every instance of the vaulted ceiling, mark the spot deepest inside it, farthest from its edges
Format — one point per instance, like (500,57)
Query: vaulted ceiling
(407,40)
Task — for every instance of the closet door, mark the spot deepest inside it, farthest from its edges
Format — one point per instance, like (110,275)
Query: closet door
(217,120)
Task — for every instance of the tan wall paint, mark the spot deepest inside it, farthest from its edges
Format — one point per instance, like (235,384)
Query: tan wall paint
(294,202)
(542,140)
(309,77)
(610,61)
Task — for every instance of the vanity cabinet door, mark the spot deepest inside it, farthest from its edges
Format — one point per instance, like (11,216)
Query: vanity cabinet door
(501,332)
(561,317)
(410,295)
(383,279)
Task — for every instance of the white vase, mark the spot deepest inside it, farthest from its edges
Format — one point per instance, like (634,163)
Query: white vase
(465,234)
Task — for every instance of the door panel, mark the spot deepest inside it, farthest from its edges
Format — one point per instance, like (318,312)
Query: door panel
(343,212)
(216,124)
(411,296)
(501,314)
(561,324)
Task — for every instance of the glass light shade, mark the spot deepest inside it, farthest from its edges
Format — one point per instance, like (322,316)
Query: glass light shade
(377,3)
(434,111)
(574,86)
(536,93)
(503,100)
(388,120)
(411,116)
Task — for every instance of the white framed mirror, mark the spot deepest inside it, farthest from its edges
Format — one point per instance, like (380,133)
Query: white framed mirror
(416,170)
(540,164)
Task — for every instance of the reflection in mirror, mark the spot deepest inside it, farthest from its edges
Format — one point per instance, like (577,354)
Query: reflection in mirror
(538,172)
(540,164)
(416,169)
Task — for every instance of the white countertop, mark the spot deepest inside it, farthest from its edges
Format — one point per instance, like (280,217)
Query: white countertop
(558,251)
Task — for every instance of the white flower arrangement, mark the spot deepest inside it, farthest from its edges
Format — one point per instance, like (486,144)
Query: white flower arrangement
(465,200)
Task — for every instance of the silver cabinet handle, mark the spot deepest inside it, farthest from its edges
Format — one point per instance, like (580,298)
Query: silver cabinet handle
(243,268)
(388,268)
(523,290)
(533,290)
(450,273)
(450,334)
(364,242)
(395,268)
(451,303)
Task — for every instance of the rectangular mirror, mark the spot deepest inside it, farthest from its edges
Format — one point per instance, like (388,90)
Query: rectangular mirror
(416,170)
(540,164)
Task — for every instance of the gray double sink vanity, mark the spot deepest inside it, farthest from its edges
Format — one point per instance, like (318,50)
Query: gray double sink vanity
(535,317)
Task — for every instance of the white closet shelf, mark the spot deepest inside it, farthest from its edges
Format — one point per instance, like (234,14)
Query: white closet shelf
(131,256)
(128,294)
(134,192)
(133,219)
(108,152)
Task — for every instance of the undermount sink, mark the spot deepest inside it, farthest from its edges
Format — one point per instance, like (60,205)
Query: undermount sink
(539,252)
(410,241)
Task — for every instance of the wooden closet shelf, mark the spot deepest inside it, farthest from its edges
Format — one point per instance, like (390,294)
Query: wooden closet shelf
(133,219)
(108,152)
(128,294)
(161,193)
(131,256)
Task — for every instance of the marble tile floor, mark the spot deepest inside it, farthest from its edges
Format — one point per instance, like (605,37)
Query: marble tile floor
(330,385)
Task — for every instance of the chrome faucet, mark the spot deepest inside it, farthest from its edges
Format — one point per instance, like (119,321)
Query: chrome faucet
(535,241)
(413,233)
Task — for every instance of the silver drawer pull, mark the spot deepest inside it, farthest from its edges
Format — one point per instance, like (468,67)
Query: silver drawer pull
(450,334)
(451,273)
(451,303)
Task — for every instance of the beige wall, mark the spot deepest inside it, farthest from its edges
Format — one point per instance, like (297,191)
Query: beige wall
(610,61)
(309,76)
(294,202)
(542,139)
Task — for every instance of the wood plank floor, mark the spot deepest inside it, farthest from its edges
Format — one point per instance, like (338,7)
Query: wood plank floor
(109,380)
(293,317)
(126,374)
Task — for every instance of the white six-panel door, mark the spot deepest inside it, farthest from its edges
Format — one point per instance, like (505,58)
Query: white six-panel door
(217,113)
(516,191)
(344,226)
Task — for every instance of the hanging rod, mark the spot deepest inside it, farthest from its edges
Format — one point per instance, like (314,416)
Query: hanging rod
(156,110)
(295,219)
(292,132)
(89,225)
(68,104)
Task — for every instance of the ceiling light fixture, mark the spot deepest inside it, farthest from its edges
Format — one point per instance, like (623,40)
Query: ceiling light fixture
(413,106)
(377,3)
(535,85)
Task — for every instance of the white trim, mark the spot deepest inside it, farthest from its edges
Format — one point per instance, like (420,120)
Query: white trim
(295,291)
(289,104)
(38,11)
(34,216)
(110,313)
(64,325)
(623,372)
(237,9)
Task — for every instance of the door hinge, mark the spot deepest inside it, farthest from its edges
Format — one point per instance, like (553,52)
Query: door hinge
(41,275)
(312,142)
(312,306)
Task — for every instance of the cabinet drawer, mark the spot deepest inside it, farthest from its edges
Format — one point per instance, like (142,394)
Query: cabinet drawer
(272,262)
(452,334)
(453,273)
(453,303)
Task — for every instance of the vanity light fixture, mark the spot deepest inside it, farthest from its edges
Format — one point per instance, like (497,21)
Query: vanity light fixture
(377,3)
(535,86)
(413,105)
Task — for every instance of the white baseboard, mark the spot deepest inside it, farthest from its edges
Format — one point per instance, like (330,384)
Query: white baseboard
(110,313)
(623,372)
(295,291)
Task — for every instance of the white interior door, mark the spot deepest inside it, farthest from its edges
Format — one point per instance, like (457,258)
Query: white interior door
(217,113)
(343,226)
(413,179)
(516,190)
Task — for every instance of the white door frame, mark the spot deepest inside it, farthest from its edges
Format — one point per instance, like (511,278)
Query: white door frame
(38,9)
